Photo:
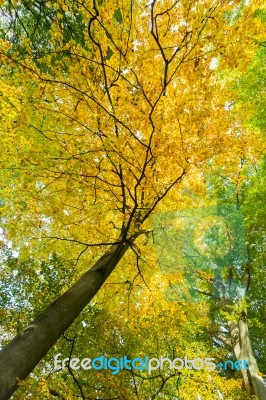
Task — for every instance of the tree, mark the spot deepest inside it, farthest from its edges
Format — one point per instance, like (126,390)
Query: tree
(239,290)
(147,325)
(95,133)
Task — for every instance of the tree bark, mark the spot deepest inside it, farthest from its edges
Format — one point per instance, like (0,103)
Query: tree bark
(243,351)
(256,384)
(19,357)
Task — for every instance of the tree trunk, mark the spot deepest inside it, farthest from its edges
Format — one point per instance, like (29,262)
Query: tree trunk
(243,351)
(256,384)
(19,357)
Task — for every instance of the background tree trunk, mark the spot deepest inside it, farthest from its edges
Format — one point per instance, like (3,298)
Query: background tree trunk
(243,351)
(256,384)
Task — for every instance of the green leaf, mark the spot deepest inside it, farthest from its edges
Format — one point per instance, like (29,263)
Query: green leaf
(109,54)
(118,15)
(100,2)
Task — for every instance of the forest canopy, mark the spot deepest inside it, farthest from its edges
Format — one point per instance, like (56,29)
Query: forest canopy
(132,192)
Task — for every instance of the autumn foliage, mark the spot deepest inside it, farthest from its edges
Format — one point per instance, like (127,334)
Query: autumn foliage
(112,111)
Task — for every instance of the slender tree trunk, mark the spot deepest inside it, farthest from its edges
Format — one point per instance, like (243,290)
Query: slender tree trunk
(256,384)
(19,357)
(243,351)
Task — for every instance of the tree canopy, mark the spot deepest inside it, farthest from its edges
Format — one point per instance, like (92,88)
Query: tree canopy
(132,138)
